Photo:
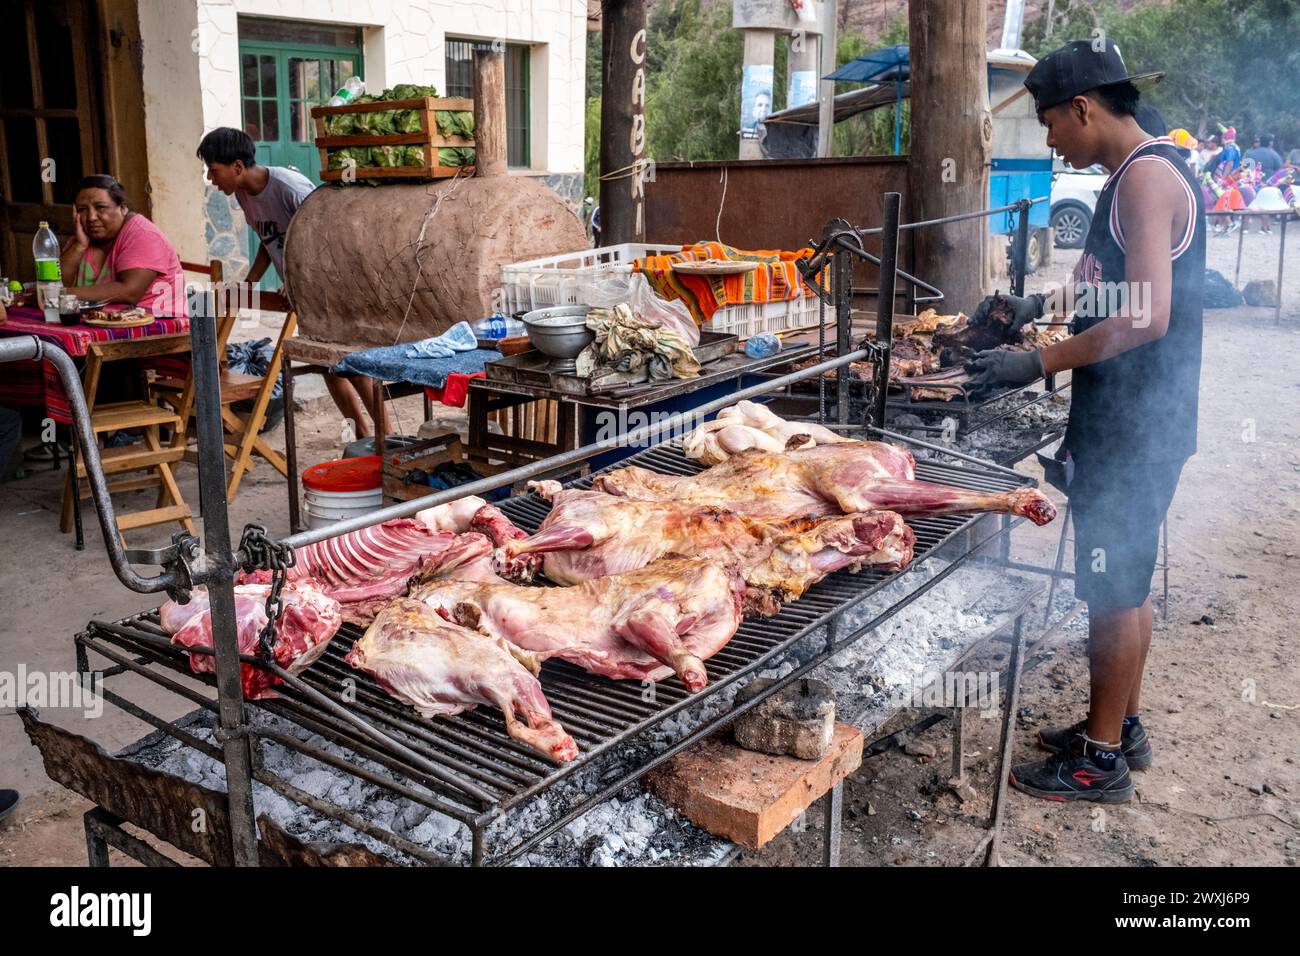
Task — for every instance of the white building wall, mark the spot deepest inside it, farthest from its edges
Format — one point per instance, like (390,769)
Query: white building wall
(173,122)
(405,42)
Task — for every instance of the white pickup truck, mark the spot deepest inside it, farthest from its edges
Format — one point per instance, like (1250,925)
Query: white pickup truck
(1074,196)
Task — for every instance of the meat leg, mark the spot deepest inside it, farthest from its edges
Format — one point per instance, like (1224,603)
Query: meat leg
(655,625)
(926,498)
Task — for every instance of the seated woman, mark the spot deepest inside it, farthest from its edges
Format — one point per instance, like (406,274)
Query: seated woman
(116,255)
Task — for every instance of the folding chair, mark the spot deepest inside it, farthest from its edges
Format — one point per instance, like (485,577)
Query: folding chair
(244,432)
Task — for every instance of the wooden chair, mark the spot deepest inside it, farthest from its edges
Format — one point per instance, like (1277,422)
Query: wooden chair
(243,433)
(151,457)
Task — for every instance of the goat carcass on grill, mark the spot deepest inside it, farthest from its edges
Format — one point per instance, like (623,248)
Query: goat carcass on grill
(647,624)
(590,534)
(309,620)
(441,668)
(842,478)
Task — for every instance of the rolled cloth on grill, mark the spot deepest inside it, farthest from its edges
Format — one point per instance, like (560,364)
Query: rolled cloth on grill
(776,279)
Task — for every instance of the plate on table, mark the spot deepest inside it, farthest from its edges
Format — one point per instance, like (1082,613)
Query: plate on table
(127,319)
(714,267)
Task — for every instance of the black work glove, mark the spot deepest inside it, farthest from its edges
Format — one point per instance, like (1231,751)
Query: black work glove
(1023,310)
(1004,367)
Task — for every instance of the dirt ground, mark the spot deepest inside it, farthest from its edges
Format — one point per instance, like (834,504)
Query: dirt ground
(1221,696)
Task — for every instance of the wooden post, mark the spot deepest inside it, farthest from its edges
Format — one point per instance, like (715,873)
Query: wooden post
(952,137)
(760,52)
(826,88)
(622,121)
(489,112)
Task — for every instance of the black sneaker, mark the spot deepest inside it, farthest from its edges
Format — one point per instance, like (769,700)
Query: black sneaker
(1072,775)
(1134,744)
(8,800)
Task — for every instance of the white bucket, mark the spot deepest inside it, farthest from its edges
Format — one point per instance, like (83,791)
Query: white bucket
(326,507)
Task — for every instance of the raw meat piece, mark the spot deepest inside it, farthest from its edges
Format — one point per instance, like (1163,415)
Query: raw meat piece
(442,668)
(828,479)
(310,619)
(590,534)
(474,514)
(641,625)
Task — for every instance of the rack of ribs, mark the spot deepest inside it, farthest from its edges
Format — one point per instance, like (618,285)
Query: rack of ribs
(441,668)
(590,534)
(646,624)
(843,478)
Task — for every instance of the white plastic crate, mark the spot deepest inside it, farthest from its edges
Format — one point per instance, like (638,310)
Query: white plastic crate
(555,280)
(745,321)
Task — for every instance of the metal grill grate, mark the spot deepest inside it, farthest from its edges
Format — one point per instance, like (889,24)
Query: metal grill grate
(496,772)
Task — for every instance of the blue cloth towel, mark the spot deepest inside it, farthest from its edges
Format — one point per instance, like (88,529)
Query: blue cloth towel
(392,364)
(459,338)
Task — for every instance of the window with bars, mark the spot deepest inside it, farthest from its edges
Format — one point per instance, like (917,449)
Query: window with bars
(460,82)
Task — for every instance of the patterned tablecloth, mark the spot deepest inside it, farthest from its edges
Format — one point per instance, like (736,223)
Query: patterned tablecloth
(37,383)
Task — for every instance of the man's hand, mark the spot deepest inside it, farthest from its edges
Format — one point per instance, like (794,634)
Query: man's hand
(1023,310)
(1003,367)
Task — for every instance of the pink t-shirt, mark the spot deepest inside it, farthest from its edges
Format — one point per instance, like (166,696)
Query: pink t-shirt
(141,245)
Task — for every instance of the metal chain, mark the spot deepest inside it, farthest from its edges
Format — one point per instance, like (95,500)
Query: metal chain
(264,554)
(821,345)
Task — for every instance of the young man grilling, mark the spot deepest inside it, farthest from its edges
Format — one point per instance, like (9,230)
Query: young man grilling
(1136,356)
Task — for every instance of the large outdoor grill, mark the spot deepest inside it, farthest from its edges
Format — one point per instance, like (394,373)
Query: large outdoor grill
(464,767)
(467,767)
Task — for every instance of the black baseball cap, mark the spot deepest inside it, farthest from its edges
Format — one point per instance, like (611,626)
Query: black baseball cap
(1077,67)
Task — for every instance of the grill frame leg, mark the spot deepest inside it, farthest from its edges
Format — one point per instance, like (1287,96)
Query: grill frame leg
(832,828)
(991,856)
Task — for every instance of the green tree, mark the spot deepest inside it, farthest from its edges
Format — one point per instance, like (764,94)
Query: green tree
(870,133)
(693,85)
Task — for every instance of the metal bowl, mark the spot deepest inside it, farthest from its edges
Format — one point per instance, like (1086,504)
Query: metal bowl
(560,332)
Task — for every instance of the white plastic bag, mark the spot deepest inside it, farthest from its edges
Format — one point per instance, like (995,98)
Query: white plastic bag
(607,291)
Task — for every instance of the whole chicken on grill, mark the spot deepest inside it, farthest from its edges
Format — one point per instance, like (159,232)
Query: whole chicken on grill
(747,425)
(590,534)
(441,668)
(844,478)
(647,624)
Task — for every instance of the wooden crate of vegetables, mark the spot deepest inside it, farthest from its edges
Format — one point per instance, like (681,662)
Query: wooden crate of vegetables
(403,133)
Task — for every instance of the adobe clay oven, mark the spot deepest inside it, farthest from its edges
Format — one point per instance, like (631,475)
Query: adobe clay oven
(375,265)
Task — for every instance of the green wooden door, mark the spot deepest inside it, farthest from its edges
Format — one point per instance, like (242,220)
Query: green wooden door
(280,84)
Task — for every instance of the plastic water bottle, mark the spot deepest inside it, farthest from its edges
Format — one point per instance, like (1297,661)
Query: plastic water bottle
(498,327)
(763,345)
(49,277)
(350,90)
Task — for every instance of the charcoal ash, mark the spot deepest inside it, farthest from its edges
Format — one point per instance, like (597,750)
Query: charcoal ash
(1002,440)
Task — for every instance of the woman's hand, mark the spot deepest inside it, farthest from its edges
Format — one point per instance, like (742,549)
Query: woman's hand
(80,241)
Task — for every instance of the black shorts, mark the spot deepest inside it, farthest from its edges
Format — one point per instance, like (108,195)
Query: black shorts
(1118,508)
